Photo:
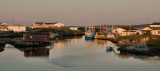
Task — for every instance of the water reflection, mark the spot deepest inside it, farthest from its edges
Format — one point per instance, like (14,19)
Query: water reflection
(140,57)
(35,51)
(2,46)
(75,54)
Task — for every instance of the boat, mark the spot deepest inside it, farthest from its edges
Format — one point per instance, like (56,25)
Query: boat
(89,34)
(109,49)
(99,35)
(110,35)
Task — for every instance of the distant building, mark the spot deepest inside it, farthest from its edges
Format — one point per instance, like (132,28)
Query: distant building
(119,31)
(46,25)
(38,36)
(157,24)
(3,26)
(37,25)
(154,28)
(73,28)
(17,28)
(126,31)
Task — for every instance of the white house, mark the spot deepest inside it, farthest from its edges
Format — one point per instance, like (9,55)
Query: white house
(46,25)
(59,24)
(119,31)
(3,26)
(17,28)
(154,28)
(73,28)
(127,31)
(37,25)
(157,24)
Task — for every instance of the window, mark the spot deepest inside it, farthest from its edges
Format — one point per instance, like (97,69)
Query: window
(158,32)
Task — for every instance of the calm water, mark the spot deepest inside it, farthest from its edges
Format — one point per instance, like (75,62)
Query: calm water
(74,54)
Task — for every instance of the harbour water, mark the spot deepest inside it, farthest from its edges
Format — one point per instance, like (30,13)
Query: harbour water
(75,54)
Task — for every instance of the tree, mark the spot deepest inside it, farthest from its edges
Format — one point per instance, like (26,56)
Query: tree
(148,32)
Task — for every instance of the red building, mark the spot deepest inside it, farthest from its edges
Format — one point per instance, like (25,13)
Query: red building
(38,36)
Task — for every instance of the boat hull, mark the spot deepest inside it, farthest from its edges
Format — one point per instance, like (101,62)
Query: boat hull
(89,37)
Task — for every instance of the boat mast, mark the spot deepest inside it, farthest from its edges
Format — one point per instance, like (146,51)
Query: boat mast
(106,28)
(86,29)
(89,28)
(130,25)
(151,21)
(92,28)
(100,28)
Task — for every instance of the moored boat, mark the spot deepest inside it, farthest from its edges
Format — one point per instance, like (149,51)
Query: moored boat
(89,36)
(99,35)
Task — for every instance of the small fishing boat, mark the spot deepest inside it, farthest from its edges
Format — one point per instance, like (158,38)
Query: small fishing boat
(99,35)
(89,36)
(109,49)
(110,35)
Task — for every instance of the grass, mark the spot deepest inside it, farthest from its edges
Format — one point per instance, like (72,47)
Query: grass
(154,41)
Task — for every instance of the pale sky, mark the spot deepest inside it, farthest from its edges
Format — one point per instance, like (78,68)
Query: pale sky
(80,12)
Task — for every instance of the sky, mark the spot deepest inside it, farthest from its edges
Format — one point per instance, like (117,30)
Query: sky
(80,12)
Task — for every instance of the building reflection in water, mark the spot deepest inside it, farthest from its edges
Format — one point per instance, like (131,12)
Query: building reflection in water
(2,46)
(35,51)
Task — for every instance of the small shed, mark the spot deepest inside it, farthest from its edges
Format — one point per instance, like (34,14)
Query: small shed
(38,36)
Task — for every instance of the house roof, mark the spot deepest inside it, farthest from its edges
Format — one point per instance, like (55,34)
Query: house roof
(155,28)
(45,23)
(51,23)
(39,23)
(129,28)
(129,31)
(17,25)
(146,28)
(36,33)
(156,23)
(2,23)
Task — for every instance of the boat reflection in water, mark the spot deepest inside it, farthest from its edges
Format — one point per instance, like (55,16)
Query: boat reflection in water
(35,51)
